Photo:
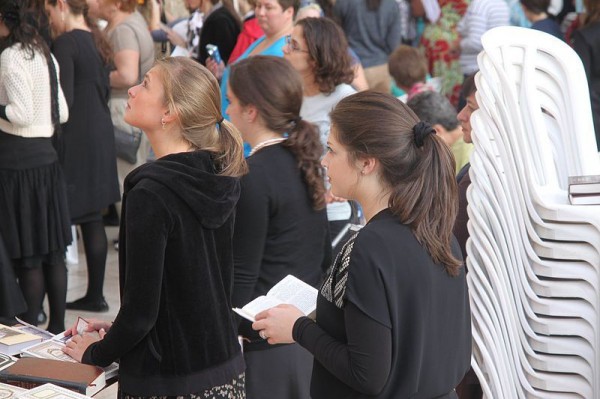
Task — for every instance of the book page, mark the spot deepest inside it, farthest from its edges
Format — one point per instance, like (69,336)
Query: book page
(295,292)
(258,305)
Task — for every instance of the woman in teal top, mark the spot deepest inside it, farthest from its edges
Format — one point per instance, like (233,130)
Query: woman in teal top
(276,18)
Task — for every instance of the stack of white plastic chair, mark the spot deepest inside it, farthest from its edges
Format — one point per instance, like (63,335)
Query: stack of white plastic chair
(533,259)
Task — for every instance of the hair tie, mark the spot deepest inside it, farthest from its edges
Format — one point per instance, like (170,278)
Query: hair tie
(422,130)
(221,120)
(296,121)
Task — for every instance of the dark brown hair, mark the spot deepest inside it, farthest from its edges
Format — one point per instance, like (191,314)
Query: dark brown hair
(592,11)
(468,86)
(420,179)
(328,49)
(536,6)
(80,7)
(279,107)
(407,66)
(285,4)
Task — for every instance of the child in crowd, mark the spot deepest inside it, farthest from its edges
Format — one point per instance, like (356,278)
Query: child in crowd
(408,68)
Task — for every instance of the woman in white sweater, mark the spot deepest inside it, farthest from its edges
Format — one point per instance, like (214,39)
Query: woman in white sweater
(34,219)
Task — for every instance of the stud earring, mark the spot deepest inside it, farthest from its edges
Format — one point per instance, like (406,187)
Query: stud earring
(163,123)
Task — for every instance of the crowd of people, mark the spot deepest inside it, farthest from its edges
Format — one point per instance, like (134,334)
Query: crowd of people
(261,131)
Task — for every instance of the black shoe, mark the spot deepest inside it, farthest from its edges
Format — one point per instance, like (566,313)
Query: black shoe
(87,305)
(42,317)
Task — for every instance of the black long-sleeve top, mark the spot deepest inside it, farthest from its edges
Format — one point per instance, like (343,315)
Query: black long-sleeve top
(277,231)
(390,322)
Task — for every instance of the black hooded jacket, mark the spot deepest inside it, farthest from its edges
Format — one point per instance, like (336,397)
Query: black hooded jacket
(175,333)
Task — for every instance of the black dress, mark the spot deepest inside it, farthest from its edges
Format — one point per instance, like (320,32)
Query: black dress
(89,162)
(390,322)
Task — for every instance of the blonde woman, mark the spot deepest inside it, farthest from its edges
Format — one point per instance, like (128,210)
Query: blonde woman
(176,246)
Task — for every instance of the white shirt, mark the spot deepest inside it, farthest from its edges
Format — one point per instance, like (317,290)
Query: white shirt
(316,109)
(25,90)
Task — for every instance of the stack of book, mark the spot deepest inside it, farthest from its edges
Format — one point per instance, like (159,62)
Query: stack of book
(584,190)
(42,361)
(32,372)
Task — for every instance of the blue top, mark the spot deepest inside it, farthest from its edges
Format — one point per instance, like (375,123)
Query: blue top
(550,26)
(276,50)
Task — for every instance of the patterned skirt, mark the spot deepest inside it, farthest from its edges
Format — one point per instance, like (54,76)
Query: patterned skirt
(235,389)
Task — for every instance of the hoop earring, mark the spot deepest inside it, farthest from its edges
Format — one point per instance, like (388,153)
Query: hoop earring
(163,123)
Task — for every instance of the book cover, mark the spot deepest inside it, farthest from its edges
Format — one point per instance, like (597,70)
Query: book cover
(50,391)
(584,199)
(290,290)
(10,391)
(5,361)
(32,372)
(586,179)
(13,340)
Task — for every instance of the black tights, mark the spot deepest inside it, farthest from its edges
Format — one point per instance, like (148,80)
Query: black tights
(34,283)
(95,245)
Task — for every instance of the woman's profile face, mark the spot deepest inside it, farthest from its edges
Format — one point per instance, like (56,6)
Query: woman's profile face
(296,52)
(235,111)
(56,18)
(146,103)
(4,31)
(342,172)
(271,17)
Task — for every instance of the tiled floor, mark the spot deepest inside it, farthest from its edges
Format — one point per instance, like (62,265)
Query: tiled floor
(77,282)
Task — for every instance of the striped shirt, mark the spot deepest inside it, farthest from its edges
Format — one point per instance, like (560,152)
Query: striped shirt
(481,16)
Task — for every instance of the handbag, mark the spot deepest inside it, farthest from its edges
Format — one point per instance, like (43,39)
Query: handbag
(127,144)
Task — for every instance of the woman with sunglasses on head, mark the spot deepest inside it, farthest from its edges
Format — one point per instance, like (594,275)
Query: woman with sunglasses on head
(393,316)
(318,50)
(281,223)
(174,334)
(34,218)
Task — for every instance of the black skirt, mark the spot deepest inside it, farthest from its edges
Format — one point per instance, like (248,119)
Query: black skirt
(34,216)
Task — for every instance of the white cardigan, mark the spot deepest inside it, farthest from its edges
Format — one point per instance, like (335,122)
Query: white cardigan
(25,90)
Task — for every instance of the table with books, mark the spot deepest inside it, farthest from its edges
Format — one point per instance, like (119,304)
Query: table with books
(33,365)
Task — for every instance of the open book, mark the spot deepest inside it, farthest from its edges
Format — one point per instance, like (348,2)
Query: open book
(290,290)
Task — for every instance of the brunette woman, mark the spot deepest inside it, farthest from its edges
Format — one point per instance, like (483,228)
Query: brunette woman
(393,316)
(318,50)
(34,218)
(281,223)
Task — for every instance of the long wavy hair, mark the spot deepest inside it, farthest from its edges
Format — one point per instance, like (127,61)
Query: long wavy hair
(279,107)
(328,50)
